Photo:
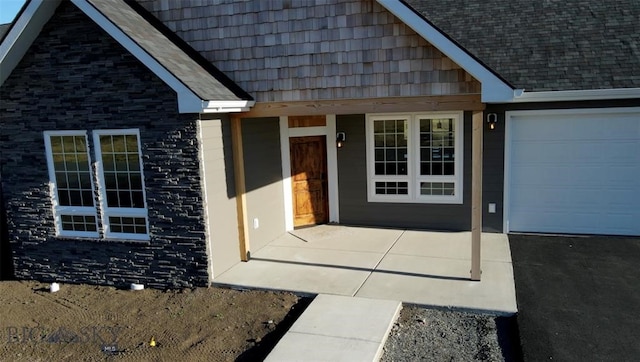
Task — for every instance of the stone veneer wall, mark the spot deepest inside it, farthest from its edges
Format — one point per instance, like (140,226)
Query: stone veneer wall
(76,77)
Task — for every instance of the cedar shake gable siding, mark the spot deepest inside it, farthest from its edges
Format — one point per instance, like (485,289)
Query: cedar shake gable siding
(281,51)
(76,77)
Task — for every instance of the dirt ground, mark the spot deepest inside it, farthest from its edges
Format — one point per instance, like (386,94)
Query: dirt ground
(90,323)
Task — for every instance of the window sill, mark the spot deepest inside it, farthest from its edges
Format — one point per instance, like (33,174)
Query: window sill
(103,240)
(385,200)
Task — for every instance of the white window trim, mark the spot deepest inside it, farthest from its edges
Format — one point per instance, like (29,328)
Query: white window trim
(118,211)
(413,178)
(59,210)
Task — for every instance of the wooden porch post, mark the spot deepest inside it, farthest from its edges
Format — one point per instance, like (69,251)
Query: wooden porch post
(476,194)
(241,199)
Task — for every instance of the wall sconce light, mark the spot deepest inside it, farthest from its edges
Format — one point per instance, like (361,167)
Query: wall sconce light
(341,137)
(492,119)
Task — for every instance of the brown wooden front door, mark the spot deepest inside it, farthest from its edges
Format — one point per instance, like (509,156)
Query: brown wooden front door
(309,180)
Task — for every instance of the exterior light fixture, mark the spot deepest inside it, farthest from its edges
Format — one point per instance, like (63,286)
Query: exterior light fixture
(341,137)
(492,120)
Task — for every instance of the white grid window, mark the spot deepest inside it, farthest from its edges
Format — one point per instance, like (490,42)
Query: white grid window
(412,157)
(121,184)
(71,184)
(124,212)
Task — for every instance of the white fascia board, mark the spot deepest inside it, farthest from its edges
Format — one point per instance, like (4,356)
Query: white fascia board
(226,106)
(494,90)
(24,31)
(578,95)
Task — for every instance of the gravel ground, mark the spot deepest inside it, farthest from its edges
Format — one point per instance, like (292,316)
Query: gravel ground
(422,334)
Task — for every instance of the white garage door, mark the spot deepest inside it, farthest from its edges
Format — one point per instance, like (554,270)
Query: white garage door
(574,172)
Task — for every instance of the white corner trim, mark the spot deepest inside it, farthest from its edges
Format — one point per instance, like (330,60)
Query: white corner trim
(332,170)
(24,31)
(205,201)
(286,173)
(493,88)
(577,95)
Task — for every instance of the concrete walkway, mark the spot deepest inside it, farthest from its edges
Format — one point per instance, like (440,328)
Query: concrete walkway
(418,267)
(338,328)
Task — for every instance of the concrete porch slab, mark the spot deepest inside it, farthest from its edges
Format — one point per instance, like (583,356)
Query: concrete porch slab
(442,282)
(420,267)
(338,328)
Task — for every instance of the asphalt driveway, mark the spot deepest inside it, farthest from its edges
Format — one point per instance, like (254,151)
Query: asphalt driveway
(578,297)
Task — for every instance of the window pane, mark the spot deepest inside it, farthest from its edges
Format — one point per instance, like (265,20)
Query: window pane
(136,181)
(132,144)
(390,141)
(105,144)
(122,174)
(56,144)
(110,181)
(391,155)
(74,181)
(85,180)
(75,198)
(437,188)
(68,145)
(402,168)
(390,147)
(137,199)
(390,169)
(437,146)
(129,225)
(449,168)
(392,188)
(107,162)
(112,199)
(72,172)
(79,223)
(379,168)
(61,180)
(134,162)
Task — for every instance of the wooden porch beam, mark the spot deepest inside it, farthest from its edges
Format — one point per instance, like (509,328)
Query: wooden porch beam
(470,102)
(241,199)
(476,195)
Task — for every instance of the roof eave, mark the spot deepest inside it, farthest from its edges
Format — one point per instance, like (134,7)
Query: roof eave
(494,89)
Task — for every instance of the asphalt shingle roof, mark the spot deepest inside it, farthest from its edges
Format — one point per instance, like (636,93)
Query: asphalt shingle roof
(203,79)
(3,30)
(546,45)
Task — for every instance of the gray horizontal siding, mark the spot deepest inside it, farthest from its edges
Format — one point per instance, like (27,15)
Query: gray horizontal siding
(354,208)
(313,50)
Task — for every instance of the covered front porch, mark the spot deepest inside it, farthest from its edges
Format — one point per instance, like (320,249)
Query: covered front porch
(417,267)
